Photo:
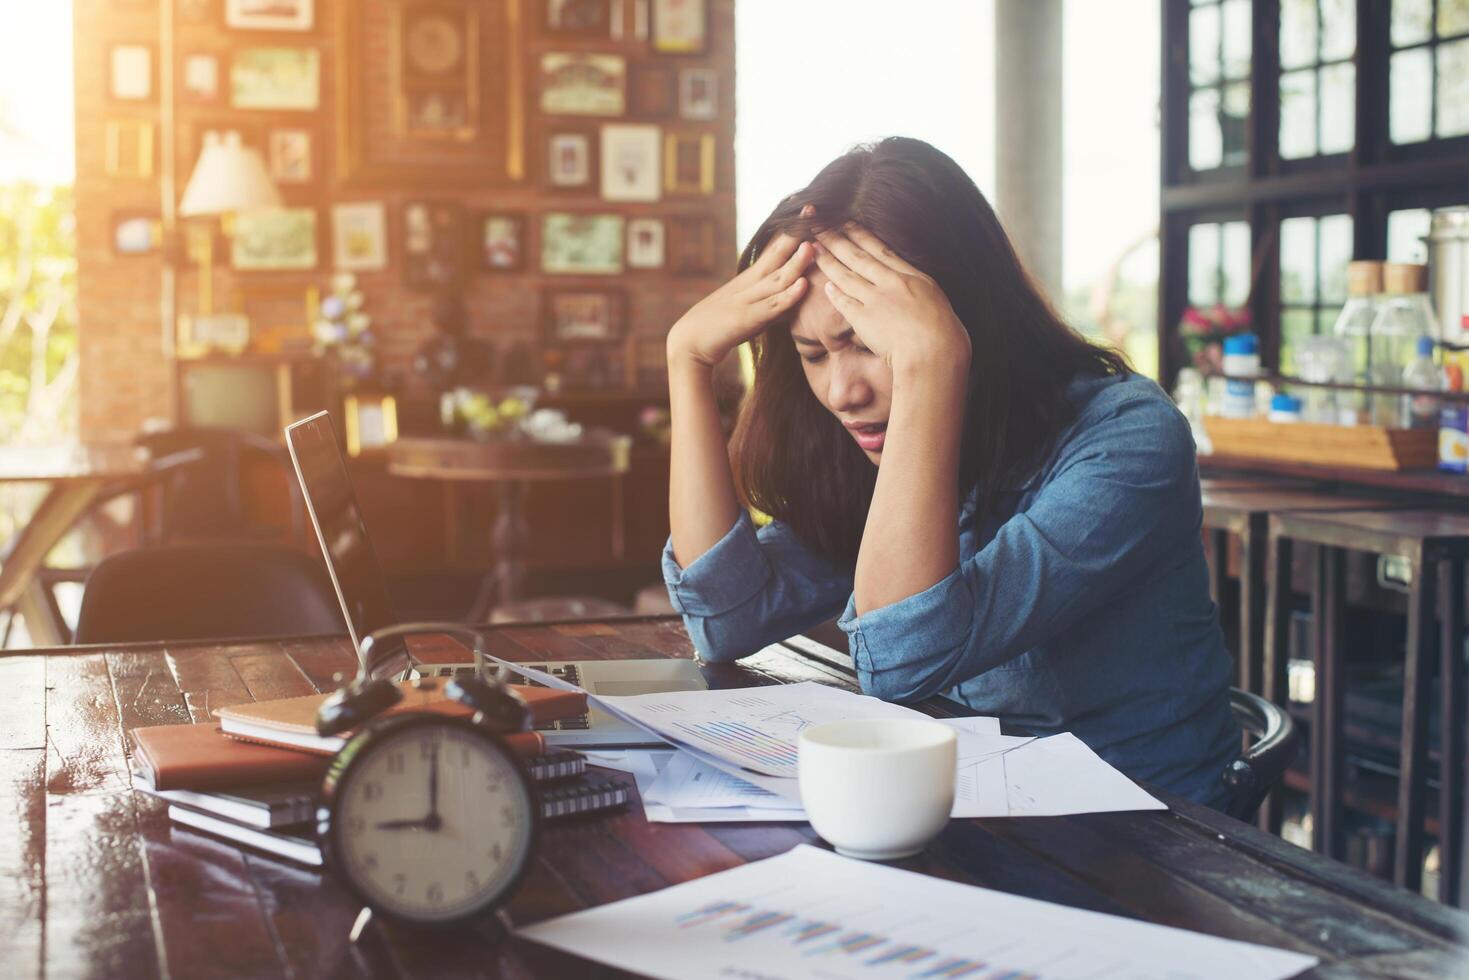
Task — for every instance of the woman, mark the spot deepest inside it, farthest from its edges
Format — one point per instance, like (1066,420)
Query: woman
(997,509)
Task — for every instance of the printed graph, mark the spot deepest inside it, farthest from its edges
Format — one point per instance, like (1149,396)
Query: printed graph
(749,745)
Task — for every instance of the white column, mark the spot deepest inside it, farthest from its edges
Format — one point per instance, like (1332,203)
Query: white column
(1028,132)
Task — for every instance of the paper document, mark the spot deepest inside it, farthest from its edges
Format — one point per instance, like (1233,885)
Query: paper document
(647,765)
(811,913)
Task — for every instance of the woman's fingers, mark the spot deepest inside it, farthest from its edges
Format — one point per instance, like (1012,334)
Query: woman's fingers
(775,254)
(853,256)
(775,304)
(879,250)
(850,283)
(846,304)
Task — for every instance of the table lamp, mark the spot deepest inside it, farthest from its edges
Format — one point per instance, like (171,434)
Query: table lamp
(229,178)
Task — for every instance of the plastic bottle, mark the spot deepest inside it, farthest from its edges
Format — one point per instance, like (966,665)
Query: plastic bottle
(1421,411)
(1404,313)
(1241,366)
(1453,422)
(1354,329)
(1285,408)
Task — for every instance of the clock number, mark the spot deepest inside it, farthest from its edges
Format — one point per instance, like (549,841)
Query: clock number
(372,792)
(471,880)
(436,893)
(395,763)
(507,816)
(400,881)
(497,852)
(356,825)
(369,861)
(426,749)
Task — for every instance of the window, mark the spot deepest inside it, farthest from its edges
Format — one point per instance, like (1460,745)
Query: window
(1219,264)
(1429,70)
(1219,82)
(1318,81)
(1314,252)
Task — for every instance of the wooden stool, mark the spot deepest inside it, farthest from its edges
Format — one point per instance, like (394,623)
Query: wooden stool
(1243,512)
(1436,544)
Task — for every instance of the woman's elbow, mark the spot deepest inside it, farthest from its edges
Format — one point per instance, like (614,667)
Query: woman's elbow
(715,645)
(900,684)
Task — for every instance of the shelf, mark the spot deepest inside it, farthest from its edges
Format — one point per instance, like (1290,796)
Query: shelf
(1373,795)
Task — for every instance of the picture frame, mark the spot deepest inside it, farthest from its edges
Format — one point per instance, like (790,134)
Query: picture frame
(582,18)
(653,91)
(371,422)
(698,94)
(270,15)
(279,78)
(688,163)
(128,149)
(629,162)
(130,72)
(135,233)
(569,161)
(199,78)
(578,315)
(433,244)
(360,236)
(583,84)
(225,332)
(646,243)
(680,26)
(691,249)
(580,243)
(436,60)
(274,240)
(502,244)
(289,156)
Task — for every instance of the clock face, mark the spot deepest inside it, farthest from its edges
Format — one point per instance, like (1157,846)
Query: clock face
(434,45)
(431,821)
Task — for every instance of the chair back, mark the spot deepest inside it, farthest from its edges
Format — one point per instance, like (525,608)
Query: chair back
(1257,771)
(206,502)
(207,592)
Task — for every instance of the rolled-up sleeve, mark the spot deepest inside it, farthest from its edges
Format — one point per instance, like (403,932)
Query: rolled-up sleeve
(1121,497)
(752,589)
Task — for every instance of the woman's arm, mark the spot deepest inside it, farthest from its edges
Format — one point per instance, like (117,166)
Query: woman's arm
(702,505)
(910,540)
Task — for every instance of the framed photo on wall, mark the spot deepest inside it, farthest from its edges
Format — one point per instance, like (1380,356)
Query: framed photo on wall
(438,69)
(372,422)
(581,84)
(433,244)
(275,78)
(584,314)
(502,241)
(698,93)
(269,15)
(581,244)
(586,18)
(691,249)
(359,236)
(199,79)
(680,26)
(645,243)
(274,240)
(290,156)
(130,69)
(630,163)
(136,233)
(569,160)
(654,92)
(688,163)
(128,150)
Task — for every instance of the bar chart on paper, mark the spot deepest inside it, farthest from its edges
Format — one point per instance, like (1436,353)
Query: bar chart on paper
(809,913)
(757,728)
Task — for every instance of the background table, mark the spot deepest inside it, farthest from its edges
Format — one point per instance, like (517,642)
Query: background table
(510,465)
(77,477)
(96,882)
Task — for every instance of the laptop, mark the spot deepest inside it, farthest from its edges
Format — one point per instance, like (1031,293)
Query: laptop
(357,578)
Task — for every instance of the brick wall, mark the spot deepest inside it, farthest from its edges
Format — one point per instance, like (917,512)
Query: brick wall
(126,376)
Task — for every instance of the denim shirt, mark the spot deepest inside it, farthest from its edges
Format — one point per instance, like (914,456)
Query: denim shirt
(1082,606)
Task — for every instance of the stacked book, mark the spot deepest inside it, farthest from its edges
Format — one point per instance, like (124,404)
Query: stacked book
(253,777)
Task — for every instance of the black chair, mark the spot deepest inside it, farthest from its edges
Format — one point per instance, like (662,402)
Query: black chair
(206,502)
(1252,776)
(207,592)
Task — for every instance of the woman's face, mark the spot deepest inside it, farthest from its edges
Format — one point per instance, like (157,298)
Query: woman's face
(854,384)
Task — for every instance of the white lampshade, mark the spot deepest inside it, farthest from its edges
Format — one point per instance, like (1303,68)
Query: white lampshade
(228,177)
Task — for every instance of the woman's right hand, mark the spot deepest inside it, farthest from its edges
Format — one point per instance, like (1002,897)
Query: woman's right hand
(741,308)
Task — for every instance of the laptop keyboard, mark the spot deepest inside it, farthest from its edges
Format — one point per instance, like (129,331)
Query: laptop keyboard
(568,673)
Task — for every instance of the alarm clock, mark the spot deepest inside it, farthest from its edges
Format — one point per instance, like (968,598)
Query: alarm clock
(430,820)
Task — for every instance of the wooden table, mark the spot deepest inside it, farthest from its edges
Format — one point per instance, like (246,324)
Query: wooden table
(96,882)
(510,465)
(77,477)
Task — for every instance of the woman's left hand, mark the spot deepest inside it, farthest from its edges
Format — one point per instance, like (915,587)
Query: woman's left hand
(898,312)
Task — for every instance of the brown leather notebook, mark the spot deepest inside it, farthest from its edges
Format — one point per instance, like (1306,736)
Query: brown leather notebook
(203,757)
(291,722)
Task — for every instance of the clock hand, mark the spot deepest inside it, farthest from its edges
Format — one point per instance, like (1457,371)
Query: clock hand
(432,821)
(401,824)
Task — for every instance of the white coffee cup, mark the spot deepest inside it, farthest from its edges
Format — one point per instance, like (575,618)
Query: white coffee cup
(878,788)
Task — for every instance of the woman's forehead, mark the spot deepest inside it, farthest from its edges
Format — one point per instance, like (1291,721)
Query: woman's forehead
(815,316)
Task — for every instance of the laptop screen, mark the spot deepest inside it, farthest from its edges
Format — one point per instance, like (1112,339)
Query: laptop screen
(332,504)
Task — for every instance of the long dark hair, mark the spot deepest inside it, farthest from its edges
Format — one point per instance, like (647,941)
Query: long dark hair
(792,459)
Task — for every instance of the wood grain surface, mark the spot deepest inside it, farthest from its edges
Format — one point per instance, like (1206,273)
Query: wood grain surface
(94,881)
